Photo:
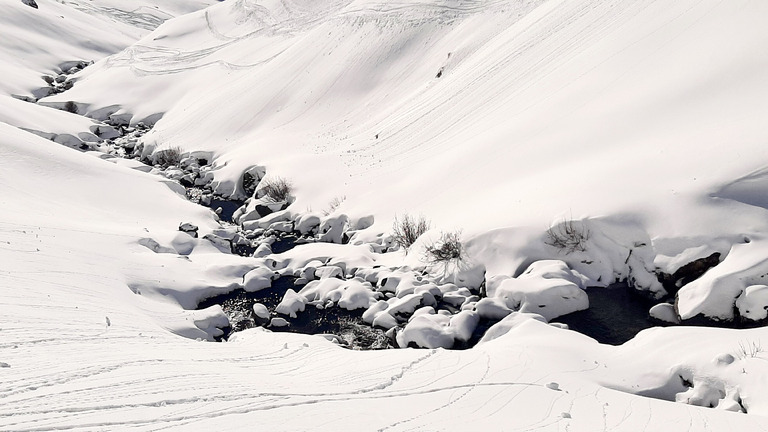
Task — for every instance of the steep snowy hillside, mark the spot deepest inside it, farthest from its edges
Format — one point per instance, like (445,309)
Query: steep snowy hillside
(539,102)
(554,145)
(477,114)
(39,40)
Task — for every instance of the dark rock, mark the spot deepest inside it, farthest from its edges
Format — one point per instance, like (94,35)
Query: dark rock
(688,273)
(187,180)
(30,3)
(188,228)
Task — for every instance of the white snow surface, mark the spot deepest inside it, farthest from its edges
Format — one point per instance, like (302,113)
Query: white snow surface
(644,114)
(642,120)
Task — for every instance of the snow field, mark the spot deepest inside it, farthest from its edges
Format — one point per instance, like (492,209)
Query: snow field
(637,122)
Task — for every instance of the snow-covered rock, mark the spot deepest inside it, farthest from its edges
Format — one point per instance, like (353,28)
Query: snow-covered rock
(546,288)
(753,302)
(291,304)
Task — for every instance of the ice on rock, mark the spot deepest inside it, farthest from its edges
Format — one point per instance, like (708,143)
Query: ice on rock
(259,279)
(292,302)
(753,302)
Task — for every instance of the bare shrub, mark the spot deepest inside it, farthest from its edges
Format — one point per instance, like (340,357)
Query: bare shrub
(405,231)
(168,157)
(568,236)
(275,189)
(334,204)
(447,248)
(749,350)
(70,107)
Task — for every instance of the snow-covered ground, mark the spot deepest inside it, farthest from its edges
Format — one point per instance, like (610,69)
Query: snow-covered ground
(636,124)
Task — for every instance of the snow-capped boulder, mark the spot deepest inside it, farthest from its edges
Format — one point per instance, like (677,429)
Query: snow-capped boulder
(291,304)
(463,325)
(260,311)
(753,302)
(547,288)
(427,331)
(324,290)
(492,308)
(258,279)
(664,312)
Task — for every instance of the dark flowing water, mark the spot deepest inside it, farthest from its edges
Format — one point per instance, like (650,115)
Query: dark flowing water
(347,325)
(616,314)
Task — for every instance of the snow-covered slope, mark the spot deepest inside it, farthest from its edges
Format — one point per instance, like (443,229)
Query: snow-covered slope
(37,41)
(555,108)
(640,119)
(80,350)
(477,114)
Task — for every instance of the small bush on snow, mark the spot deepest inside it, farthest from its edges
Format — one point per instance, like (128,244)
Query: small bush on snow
(276,189)
(447,248)
(333,205)
(405,231)
(568,236)
(749,350)
(168,157)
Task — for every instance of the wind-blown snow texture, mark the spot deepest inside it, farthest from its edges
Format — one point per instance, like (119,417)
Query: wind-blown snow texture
(643,120)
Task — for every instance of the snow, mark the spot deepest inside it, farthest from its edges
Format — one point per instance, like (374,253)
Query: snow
(753,302)
(291,304)
(547,288)
(638,122)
